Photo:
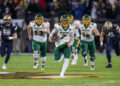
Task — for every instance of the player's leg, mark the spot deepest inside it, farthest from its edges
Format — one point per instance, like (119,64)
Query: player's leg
(109,46)
(92,50)
(84,47)
(43,51)
(9,47)
(117,48)
(58,53)
(3,49)
(67,54)
(74,52)
(36,48)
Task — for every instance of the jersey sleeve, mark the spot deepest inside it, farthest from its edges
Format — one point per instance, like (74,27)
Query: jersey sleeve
(15,28)
(31,24)
(80,25)
(46,24)
(55,30)
(94,26)
(117,27)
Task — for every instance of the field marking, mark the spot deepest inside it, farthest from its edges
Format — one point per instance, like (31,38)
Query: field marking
(42,75)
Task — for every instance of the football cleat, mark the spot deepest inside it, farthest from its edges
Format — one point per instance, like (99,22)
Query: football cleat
(61,75)
(4,66)
(35,66)
(109,66)
(42,67)
(74,62)
(92,67)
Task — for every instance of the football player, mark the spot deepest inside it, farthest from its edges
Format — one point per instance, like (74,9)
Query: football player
(40,30)
(113,42)
(63,41)
(76,39)
(87,43)
(7,35)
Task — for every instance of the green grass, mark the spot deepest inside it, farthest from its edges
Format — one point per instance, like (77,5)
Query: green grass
(25,63)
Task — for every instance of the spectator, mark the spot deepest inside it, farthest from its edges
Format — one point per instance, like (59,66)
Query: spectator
(20,10)
(101,11)
(17,44)
(33,7)
(118,10)
(88,6)
(78,9)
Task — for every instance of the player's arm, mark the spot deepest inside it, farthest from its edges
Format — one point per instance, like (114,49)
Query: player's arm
(29,32)
(118,29)
(101,37)
(96,32)
(71,40)
(47,30)
(51,36)
(14,36)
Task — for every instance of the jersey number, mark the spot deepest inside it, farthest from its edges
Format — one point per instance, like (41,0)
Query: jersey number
(6,32)
(85,34)
(40,33)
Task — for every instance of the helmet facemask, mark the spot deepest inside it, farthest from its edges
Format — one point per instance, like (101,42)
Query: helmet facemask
(64,22)
(39,20)
(7,19)
(108,25)
(86,21)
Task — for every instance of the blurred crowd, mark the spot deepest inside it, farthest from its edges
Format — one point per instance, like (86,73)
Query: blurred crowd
(25,9)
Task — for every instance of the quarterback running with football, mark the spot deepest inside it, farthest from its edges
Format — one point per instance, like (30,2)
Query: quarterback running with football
(87,43)
(63,41)
(40,30)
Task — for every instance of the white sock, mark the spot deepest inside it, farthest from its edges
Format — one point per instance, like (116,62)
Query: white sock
(85,57)
(43,59)
(4,64)
(76,56)
(92,62)
(36,62)
(65,65)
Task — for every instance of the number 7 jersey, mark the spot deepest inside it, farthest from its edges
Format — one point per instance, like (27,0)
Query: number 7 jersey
(39,33)
(87,32)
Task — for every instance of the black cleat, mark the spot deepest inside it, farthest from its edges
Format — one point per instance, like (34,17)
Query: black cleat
(109,66)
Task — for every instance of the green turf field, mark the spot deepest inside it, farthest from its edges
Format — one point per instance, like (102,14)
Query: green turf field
(24,63)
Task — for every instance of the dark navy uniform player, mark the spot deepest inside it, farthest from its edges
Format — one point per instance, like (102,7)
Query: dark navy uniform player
(113,42)
(8,33)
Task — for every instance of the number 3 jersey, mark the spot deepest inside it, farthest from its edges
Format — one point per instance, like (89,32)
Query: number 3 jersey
(64,35)
(87,31)
(39,33)
(7,31)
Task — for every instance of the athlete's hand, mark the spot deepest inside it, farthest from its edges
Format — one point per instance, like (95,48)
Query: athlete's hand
(30,37)
(101,45)
(68,44)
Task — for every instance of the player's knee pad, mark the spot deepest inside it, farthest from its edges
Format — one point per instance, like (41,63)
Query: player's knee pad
(35,54)
(92,58)
(84,53)
(43,59)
